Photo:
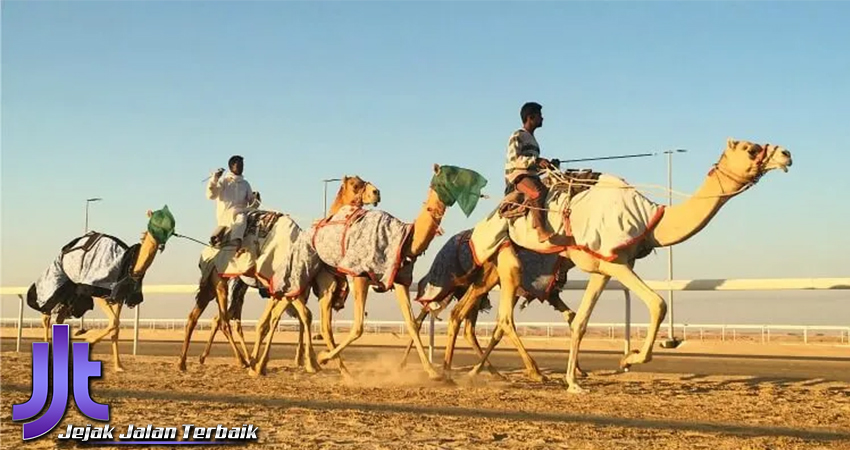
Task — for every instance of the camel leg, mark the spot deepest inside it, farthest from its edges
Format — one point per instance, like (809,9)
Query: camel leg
(213,331)
(201,301)
(115,357)
(45,322)
(403,297)
(595,285)
(311,365)
(509,269)
(569,316)
(262,328)
(299,349)
(472,338)
(361,290)
(114,324)
(654,302)
(418,321)
(224,319)
(326,308)
(278,310)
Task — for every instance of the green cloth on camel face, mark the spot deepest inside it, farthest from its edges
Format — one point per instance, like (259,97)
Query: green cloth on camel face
(456,184)
(161,225)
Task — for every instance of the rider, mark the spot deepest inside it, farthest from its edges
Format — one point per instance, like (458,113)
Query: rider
(233,197)
(524,162)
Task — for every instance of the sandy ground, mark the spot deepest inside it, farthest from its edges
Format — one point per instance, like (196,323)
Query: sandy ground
(382,408)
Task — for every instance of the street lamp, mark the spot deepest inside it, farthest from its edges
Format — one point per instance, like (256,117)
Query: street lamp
(671,341)
(326,181)
(89,200)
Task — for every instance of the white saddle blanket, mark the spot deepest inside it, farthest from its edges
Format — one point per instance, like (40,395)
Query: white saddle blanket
(603,219)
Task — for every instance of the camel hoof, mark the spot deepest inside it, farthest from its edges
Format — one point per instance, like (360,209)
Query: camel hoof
(580,373)
(536,376)
(119,370)
(181,366)
(323,358)
(434,376)
(576,389)
(253,373)
(201,360)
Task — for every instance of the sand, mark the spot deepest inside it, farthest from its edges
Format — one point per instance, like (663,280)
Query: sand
(382,408)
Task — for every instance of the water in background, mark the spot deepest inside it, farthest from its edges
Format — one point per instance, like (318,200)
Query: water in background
(769,307)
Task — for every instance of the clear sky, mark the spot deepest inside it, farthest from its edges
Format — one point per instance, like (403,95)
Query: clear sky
(137,102)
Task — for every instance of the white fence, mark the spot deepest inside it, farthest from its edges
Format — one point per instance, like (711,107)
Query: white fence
(675,285)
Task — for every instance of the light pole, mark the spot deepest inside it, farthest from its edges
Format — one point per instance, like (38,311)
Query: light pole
(89,200)
(671,341)
(326,181)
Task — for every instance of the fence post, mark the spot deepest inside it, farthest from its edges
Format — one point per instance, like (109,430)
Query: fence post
(136,330)
(628,324)
(805,334)
(20,323)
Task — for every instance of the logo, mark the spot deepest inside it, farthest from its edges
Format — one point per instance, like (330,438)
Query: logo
(83,369)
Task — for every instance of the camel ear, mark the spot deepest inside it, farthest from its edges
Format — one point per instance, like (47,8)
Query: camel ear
(436,168)
(731,143)
(150,213)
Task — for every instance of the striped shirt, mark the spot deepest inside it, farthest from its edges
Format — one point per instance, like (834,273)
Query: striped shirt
(523,151)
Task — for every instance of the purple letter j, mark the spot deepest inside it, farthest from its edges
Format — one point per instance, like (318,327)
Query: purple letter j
(83,370)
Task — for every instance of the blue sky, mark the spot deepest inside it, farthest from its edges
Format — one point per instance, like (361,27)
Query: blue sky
(137,102)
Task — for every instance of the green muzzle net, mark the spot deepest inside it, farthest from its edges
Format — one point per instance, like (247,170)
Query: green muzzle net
(161,225)
(458,185)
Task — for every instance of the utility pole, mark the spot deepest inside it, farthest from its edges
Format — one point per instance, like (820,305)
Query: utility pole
(88,201)
(326,181)
(671,341)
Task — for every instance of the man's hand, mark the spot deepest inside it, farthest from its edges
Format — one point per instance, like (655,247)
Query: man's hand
(556,163)
(218,174)
(544,163)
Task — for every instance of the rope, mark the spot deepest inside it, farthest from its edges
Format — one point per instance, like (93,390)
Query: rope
(192,239)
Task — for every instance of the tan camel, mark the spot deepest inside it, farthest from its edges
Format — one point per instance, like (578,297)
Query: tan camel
(99,268)
(471,290)
(269,239)
(741,166)
(376,248)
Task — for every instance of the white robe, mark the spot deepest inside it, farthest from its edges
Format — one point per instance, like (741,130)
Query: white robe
(233,196)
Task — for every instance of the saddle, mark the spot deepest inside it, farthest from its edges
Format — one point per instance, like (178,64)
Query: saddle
(258,225)
(516,204)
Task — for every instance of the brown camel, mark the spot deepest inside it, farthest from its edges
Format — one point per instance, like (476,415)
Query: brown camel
(741,166)
(453,276)
(269,238)
(377,249)
(99,268)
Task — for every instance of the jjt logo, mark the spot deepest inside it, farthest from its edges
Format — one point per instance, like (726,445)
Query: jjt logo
(83,370)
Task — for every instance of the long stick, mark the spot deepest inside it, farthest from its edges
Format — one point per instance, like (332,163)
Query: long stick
(600,158)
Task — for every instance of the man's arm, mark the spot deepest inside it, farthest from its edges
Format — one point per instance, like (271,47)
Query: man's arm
(214,185)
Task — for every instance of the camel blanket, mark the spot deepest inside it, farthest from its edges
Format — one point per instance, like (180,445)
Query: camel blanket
(276,246)
(541,273)
(90,265)
(357,242)
(603,219)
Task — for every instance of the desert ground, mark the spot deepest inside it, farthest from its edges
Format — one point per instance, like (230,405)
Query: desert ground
(383,407)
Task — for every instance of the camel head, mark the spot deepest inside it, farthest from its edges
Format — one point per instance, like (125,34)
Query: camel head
(355,191)
(746,161)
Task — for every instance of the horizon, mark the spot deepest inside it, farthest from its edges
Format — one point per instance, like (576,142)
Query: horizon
(138,102)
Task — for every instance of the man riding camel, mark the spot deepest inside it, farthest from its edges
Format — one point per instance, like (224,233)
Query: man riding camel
(523,164)
(234,197)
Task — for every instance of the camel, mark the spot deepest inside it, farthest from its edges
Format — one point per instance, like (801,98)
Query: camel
(377,249)
(650,226)
(270,238)
(99,268)
(454,276)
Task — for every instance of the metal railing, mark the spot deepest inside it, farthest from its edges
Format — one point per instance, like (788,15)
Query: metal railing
(675,285)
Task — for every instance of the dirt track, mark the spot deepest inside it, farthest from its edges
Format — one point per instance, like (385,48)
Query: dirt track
(383,408)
